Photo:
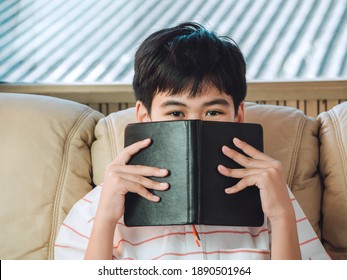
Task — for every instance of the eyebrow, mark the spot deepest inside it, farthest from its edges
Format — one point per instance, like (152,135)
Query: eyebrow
(217,101)
(173,103)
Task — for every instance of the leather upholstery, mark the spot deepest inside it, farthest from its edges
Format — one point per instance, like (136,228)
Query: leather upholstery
(45,167)
(52,149)
(109,134)
(292,137)
(333,169)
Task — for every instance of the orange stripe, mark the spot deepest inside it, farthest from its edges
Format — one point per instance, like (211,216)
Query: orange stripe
(302,219)
(235,232)
(66,247)
(148,240)
(185,233)
(86,200)
(213,252)
(207,253)
(75,231)
(213,232)
(119,223)
(308,241)
(62,246)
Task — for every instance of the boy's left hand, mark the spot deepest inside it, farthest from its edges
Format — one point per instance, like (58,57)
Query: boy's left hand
(261,171)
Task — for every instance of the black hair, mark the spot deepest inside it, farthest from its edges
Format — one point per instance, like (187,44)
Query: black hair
(187,57)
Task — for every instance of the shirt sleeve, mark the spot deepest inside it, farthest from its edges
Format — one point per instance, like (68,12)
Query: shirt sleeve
(75,231)
(310,245)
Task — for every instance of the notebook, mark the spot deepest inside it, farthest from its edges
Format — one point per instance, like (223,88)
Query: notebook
(191,151)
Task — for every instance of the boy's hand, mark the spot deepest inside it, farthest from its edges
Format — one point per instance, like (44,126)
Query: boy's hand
(121,178)
(265,173)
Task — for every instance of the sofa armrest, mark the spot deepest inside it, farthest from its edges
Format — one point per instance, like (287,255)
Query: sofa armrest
(45,168)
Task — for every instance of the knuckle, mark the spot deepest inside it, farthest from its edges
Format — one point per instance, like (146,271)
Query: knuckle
(142,181)
(277,164)
(109,172)
(109,167)
(266,175)
(273,170)
(269,173)
(127,151)
(147,183)
(230,152)
(112,167)
(116,179)
(241,143)
(248,181)
(229,172)
(148,195)
(134,188)
(244,160)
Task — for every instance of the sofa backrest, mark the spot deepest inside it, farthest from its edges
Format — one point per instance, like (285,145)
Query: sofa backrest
(45,168)
(289,136)
(333,169)
(49,149)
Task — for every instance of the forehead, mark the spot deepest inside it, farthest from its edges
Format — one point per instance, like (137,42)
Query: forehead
(208,96)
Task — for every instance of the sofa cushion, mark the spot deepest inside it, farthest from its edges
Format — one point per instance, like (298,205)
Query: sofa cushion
(46,167)
(109,133)
(290,136)
(333,168)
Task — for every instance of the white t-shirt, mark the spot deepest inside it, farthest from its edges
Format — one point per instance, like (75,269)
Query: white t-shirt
(179,242)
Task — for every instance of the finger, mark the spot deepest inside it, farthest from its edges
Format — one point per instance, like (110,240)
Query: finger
(132,183)
(238,172)
(140,170)
(142,191)
(241,185)
(242,159)
(127,153)
(145,193)
(249,150)
(144,182)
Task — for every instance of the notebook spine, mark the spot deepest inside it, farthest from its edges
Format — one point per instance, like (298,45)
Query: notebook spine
(197,172)
(193,165)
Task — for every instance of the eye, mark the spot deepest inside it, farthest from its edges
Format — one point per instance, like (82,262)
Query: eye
(176,114)
(213,113)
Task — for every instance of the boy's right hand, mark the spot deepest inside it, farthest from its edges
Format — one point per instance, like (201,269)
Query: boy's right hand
(121,178)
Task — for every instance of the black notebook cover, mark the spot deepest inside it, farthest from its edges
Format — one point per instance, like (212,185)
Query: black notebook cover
(191,150)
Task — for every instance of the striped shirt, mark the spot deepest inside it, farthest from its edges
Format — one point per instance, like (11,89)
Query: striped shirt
(179,242)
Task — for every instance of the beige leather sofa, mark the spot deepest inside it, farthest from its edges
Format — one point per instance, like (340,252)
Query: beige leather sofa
(53,151)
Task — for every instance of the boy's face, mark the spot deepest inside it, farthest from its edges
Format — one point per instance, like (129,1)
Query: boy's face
(210,105)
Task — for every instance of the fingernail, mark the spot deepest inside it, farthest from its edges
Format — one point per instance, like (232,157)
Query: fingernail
(161,172)
(221,167)
(229,190)
(163,185)
(236,140)
(226,149)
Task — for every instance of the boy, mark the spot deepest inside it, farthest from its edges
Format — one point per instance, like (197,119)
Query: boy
(185,72)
